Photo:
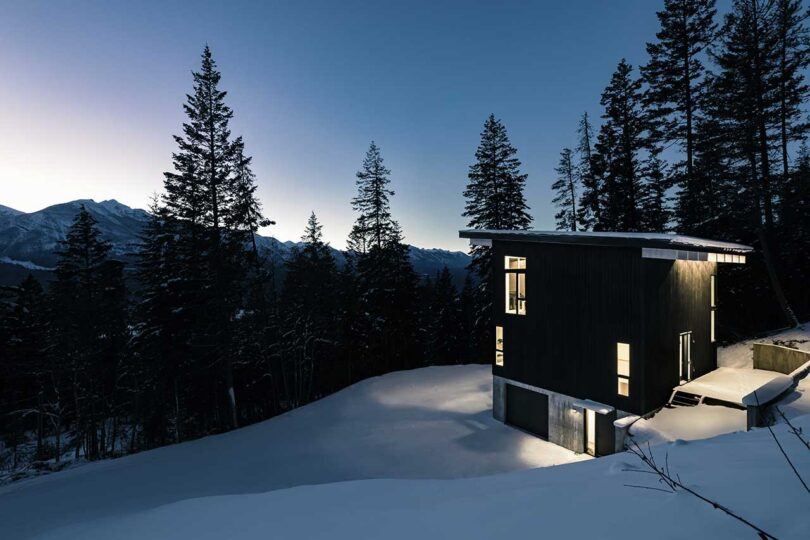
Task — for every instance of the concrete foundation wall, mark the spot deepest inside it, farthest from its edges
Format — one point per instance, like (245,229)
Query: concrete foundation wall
(566,424)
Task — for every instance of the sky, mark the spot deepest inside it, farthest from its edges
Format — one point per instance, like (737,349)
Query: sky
(91,94)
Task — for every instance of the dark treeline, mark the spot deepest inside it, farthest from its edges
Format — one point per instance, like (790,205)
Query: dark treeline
(708,139)
(205,340)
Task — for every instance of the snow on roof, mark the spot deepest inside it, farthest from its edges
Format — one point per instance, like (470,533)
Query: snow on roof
(736,384)
(607,238)
(594,406)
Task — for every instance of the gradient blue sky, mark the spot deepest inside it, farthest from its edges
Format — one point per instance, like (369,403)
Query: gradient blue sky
(91,93)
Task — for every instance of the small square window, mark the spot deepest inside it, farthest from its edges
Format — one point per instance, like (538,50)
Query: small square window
(624,386)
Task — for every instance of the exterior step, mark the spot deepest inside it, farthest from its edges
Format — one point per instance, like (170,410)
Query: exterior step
(684,399)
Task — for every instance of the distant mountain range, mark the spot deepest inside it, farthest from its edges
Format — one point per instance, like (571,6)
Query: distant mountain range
(28,241)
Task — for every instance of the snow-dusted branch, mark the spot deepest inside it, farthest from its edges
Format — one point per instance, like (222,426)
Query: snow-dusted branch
(674,483)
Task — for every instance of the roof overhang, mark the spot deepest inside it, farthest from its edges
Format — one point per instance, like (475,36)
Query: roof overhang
(595,406)
(661,241)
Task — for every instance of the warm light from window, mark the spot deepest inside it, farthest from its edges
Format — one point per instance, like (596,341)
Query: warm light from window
(624,387)
(623,368)
(515,286)
(514,263)
(499,345)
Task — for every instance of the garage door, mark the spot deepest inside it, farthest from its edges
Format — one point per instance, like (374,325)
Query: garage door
(527,410)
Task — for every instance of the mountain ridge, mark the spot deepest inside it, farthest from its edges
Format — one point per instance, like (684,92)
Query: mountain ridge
(29,240)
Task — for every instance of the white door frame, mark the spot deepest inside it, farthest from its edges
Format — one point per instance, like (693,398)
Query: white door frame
(688,375)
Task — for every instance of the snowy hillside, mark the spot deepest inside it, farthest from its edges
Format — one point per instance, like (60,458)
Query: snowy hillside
(28,241)
(428,423)
(411,455)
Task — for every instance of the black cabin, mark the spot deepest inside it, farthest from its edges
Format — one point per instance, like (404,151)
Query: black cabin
(595,326)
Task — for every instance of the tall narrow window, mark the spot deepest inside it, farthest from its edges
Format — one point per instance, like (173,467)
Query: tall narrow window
(515,285)
(712,305)
(499,345)
(623,368)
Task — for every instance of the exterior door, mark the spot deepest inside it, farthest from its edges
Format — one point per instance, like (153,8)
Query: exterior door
(590,432)
(685,361)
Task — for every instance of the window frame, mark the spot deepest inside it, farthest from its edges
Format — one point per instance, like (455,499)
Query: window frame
(519,272)
(621,378)
(713,308)
(499,341)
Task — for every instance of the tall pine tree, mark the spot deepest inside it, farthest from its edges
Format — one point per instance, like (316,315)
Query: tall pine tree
(675,77)
(494,200)
(565,189)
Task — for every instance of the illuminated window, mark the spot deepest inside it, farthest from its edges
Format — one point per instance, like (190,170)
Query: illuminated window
(515,285)
(499,345)
(514,263)
(712,304)
(623,368)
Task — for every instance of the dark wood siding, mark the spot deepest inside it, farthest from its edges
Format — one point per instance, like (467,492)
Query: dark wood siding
(527,410)
(678,297)
(580,301)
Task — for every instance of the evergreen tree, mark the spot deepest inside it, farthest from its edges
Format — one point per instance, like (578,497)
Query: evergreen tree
(210,203)
(385,278)
(654,194)
(494,200)
(309,304)
(621,139)
(565,189)
(792,59)
(90,319)
(444,323)
(746,98)
(675,77)
(374,227)
(589,206)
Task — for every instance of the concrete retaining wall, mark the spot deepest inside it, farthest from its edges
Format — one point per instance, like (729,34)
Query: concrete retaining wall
(777,358)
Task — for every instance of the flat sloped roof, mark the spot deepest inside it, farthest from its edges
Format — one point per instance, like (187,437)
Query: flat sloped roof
(616,239)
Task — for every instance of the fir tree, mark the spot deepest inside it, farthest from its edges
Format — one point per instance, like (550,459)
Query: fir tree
(494,200)
(589,206)
(676,84)
(566,193)
(90,319)
(792,59)
(745,96)
(374,227)
(444,322)
(654,194)
(385,276)
(210,200)
(621,139)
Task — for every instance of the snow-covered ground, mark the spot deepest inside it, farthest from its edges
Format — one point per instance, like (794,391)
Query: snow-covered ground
(417,455)
(429,423)
(743,471)
(688,424)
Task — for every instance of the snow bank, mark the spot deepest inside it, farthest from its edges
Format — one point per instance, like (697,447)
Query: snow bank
(687,424)
(428,423)
(743,471)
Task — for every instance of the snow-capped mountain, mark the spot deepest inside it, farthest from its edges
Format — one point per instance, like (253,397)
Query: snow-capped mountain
(28,241)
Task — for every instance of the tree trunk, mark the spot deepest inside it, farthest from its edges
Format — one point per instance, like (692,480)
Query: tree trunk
(790,316)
